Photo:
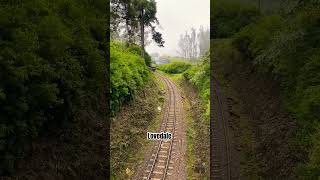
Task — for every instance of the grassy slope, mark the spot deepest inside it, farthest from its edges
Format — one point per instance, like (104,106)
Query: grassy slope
(129,127)
(266,133)
(277,55)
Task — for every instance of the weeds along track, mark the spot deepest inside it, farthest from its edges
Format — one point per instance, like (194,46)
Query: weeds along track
(221,151)
(160,165)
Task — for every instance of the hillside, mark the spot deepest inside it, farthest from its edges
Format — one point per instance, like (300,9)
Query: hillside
(269,68)
(52,89)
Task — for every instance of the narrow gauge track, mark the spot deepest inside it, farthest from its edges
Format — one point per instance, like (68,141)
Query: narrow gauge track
(160,162)
(221,151)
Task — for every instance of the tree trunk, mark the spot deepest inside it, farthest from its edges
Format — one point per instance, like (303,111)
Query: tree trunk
(128,24)
(142,32)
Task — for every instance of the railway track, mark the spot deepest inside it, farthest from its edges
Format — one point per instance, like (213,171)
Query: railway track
(160,165)
(221,151)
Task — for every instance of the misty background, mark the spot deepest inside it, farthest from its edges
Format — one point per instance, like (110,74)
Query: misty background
(176,17)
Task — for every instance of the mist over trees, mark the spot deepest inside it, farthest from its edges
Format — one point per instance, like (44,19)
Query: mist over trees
(194,44)
(132,19)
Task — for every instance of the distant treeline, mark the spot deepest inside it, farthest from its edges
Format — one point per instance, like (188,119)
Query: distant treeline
(52,64)
(285,45)
(195,44)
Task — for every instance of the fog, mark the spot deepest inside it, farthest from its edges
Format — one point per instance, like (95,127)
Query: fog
(176,17)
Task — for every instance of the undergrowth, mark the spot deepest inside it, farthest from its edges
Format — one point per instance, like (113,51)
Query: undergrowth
(129,127)
(128,73)
(284,46)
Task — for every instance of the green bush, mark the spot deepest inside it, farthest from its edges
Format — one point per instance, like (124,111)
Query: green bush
(51,61)
(175,67)
(254,38)
(137,50)
(128,73)
(199,76)
(229,16)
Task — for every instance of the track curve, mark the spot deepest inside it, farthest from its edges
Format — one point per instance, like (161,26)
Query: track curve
(160,166)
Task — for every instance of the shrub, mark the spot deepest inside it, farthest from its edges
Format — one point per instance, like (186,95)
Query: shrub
(199,76)
(228,17)
(287,47)
(128,73)
(175,67)
(137,50)
(51,61)
(254,38)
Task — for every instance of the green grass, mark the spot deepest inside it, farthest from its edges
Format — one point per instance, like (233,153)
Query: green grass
(190,147)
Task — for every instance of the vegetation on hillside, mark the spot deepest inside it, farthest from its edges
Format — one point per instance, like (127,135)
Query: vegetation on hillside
(129,61)
(229,16)
(138,16)
(284,46)
(128,143)
(128,73)
(199,76)
(52,64)
(134,90)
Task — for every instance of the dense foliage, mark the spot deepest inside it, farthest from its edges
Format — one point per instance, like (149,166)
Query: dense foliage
(199,76)
(52,61)
(128,73)
(286,46)
(137,15)
(228,17)
(175,67)
(196,84)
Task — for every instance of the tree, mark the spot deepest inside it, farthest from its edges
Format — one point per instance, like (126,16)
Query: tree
(123,12)
(147,18)
(182,44)
(203,40)
(137,16)
(194,44)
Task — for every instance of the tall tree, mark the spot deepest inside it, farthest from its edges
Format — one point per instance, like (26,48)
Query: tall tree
(203,40)
(183,45)
(193,44)
(137,16)
(123,12)
(147,19)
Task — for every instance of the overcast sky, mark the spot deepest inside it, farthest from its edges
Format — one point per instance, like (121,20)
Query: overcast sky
(176,17)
